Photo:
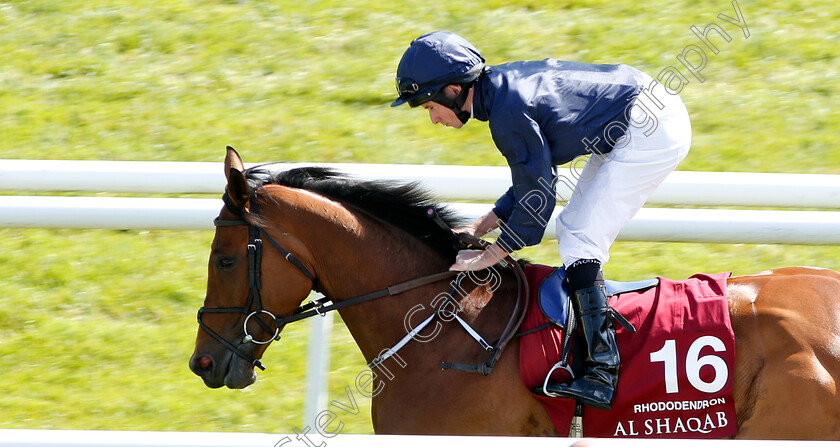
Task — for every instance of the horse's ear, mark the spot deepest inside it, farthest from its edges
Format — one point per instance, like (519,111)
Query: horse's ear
(237,187)
(233,160)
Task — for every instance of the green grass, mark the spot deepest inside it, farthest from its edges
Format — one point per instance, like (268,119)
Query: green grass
(96,327)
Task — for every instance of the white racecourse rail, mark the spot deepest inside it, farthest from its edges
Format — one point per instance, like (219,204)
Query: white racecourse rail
(650,224)
(445,182)
(73,438)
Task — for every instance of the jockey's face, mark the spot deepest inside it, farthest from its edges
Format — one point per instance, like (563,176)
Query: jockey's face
(442,115)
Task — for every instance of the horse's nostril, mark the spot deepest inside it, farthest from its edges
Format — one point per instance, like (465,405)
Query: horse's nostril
(205,362)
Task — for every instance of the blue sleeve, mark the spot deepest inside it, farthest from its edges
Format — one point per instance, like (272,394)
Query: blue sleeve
(527,206)
(504,206)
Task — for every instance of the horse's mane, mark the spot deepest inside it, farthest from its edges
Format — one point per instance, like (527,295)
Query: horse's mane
(404,205)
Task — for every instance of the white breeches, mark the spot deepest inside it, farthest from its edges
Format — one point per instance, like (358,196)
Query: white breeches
(614,186)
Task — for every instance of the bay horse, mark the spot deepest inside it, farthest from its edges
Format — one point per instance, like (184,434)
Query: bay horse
(346,238)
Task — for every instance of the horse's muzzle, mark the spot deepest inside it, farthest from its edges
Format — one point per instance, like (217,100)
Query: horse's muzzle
(223,370)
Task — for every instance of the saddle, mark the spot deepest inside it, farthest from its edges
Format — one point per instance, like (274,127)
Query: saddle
(554,300)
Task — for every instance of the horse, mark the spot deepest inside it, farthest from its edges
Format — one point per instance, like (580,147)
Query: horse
(348,238)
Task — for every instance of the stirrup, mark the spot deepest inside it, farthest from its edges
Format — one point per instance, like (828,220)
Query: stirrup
(558,365)
(589,397)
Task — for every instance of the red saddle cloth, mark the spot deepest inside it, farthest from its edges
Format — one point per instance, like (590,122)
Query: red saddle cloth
(676,371)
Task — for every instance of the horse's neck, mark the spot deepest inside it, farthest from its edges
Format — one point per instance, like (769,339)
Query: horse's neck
(354,254)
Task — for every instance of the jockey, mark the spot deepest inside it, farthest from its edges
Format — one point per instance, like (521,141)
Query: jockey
(546,113)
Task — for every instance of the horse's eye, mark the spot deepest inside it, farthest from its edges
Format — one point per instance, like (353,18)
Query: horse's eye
(225,262)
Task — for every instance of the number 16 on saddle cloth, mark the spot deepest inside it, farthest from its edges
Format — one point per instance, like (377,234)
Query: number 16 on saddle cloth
(675,379)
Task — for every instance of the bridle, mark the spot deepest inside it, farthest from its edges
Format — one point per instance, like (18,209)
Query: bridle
(253,305)
(255,235)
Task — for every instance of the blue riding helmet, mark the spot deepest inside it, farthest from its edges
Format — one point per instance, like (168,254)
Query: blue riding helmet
(432,62)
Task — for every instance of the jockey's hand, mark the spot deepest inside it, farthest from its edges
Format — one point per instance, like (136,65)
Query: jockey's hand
(474,260)
(481,226)
(470,230)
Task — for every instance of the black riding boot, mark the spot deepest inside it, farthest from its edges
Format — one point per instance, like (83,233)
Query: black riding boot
(596,388)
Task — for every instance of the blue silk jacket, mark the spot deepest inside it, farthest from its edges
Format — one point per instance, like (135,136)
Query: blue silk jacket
(546,113)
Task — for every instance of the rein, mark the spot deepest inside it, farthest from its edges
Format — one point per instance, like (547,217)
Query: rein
(318,307)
